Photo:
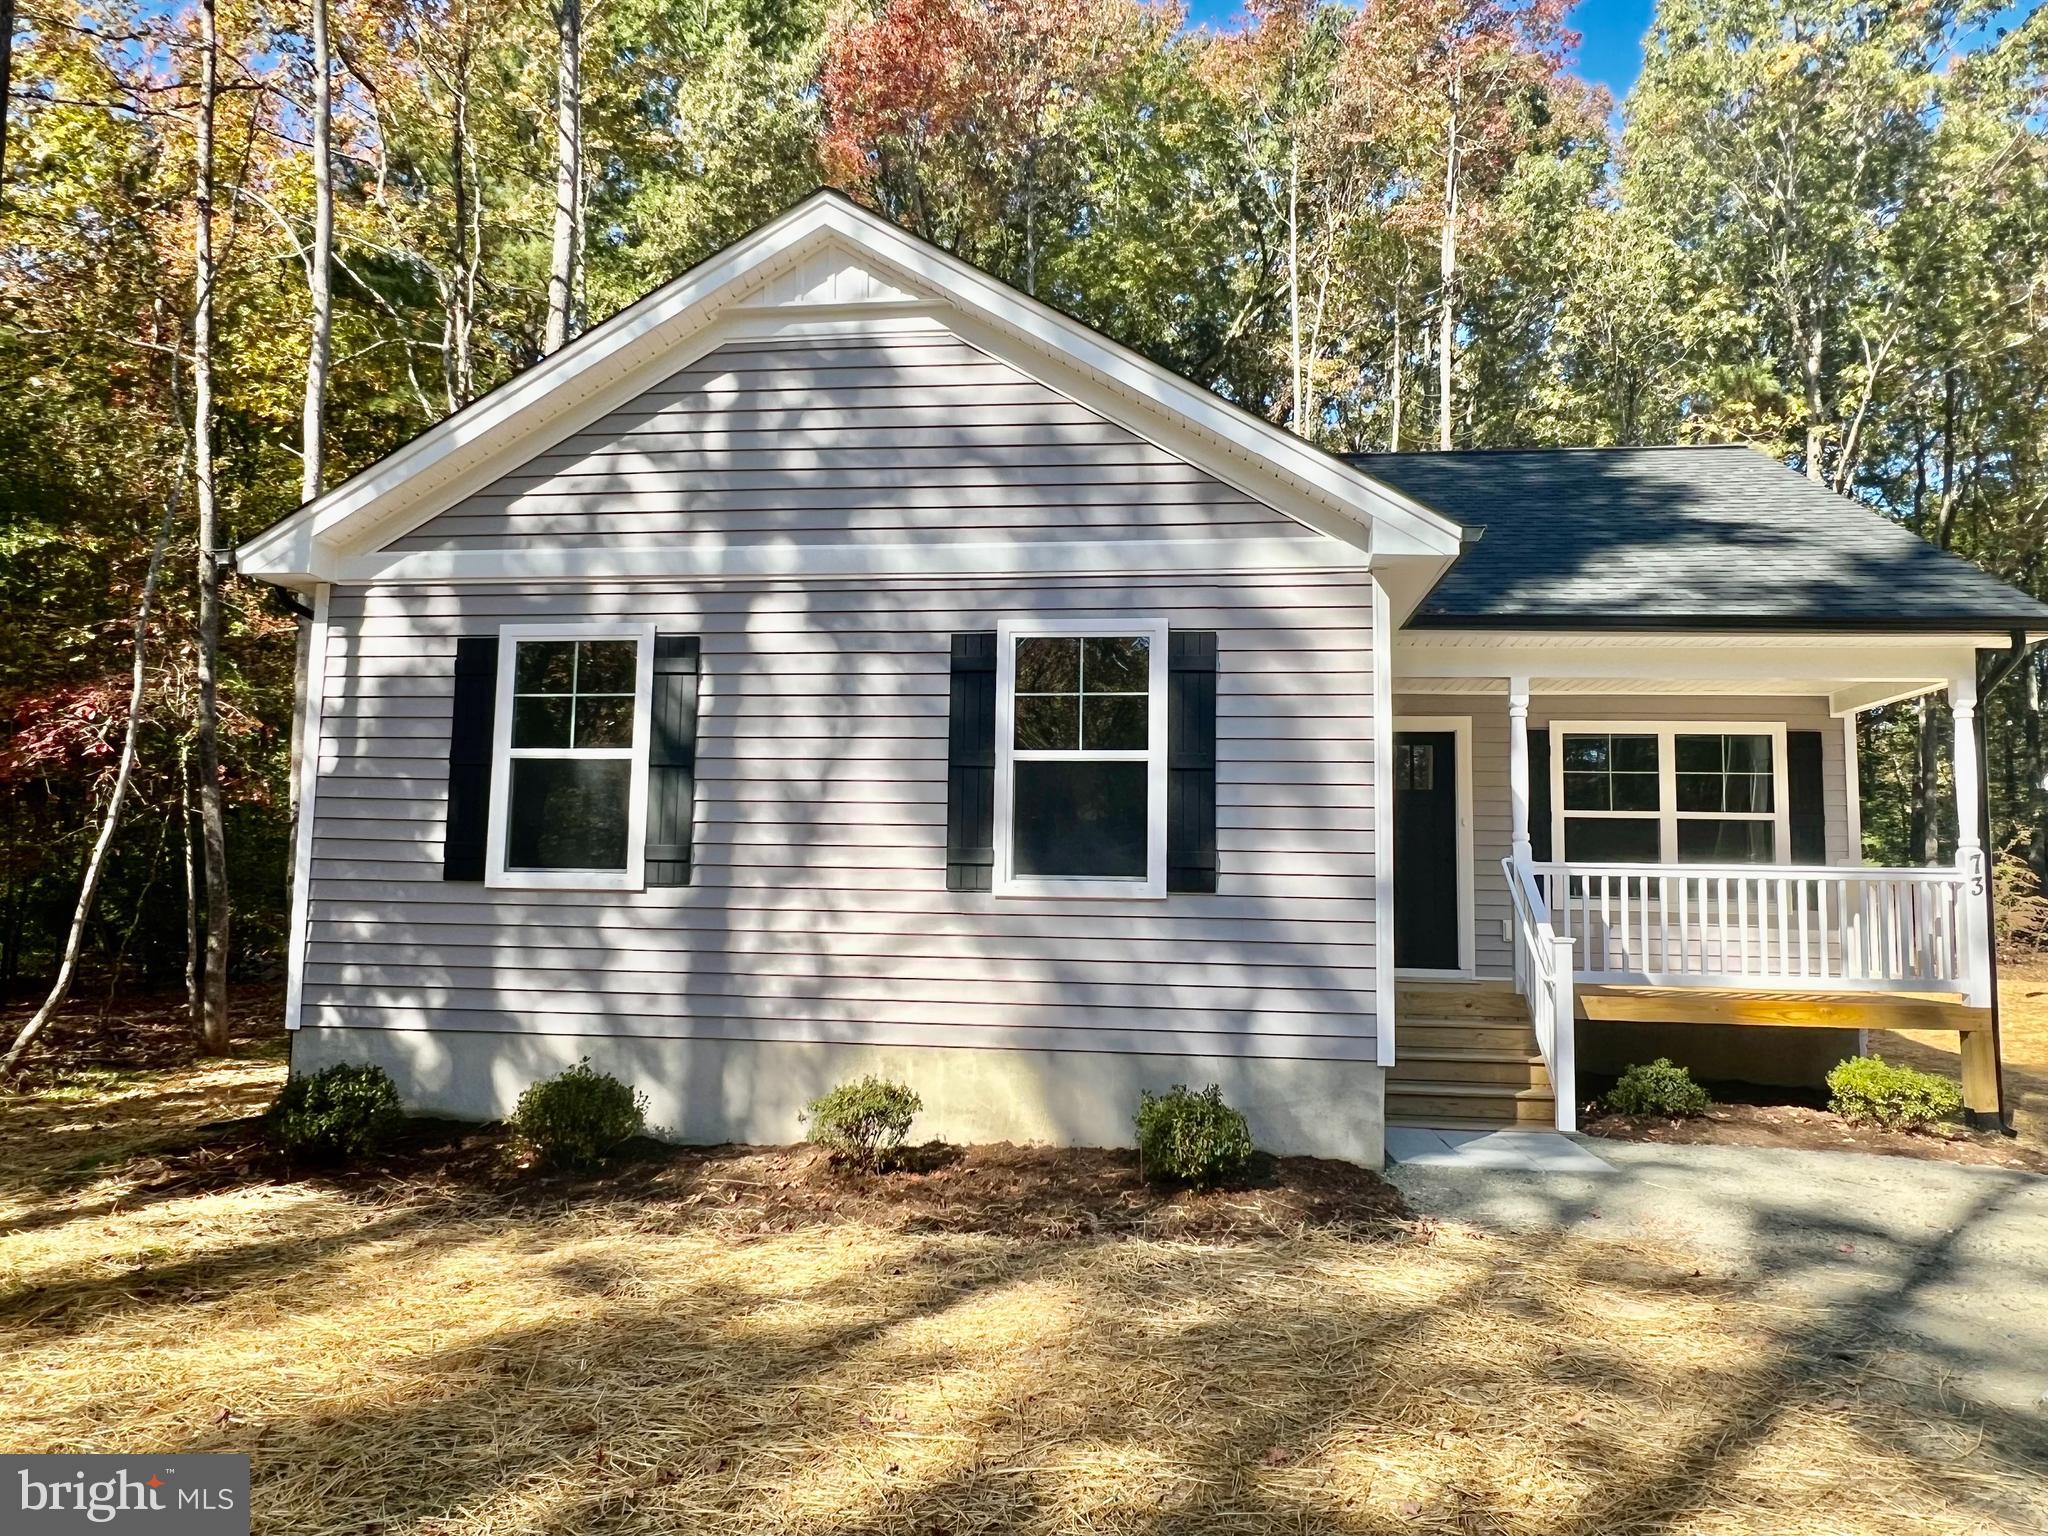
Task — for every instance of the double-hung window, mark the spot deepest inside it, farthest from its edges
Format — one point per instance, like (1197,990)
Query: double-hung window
(1081,758)
(1669,794)
(569,787)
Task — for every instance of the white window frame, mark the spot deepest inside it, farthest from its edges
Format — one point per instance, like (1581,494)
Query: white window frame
(503,754)
(1667,813)
(1153,755)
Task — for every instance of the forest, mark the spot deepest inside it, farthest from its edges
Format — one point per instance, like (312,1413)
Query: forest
(249,246)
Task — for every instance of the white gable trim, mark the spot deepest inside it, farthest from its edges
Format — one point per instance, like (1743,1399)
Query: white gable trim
(826,256)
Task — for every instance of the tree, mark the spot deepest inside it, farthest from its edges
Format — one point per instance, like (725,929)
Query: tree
(568,216)
(319,261)
(1463,88)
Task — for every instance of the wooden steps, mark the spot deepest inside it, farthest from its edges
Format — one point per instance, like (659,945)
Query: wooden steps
(1466,1058)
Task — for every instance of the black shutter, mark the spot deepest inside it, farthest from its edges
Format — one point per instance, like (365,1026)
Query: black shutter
(971,766)
(1806,803)
(469,757)
(672,760)
(1539,793)
(1191,760)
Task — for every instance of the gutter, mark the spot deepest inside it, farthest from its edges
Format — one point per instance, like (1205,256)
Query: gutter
(2002,666)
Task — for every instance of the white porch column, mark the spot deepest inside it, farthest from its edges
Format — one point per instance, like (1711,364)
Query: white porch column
(1970,858)
(1518,770)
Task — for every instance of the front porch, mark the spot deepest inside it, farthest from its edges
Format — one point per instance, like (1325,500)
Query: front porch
(1665,831)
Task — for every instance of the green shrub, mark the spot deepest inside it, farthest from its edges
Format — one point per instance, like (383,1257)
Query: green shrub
(1659,1088)
(864,1122)
(577,1118)
(1873,1090)
(1193,1137)
(338,1112)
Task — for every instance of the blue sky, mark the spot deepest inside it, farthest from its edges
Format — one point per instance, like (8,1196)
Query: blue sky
(1610,55)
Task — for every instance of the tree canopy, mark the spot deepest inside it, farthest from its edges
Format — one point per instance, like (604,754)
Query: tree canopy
(1820,226)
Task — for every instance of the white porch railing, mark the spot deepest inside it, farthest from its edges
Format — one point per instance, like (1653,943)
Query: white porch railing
(1783,926)
(1543,976)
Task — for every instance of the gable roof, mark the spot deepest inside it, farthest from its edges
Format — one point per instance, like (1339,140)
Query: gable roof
(828,257)
(1709,537)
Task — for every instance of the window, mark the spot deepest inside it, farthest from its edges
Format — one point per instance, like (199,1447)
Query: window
(1668,794)
(569,787)
(1081,759)
(1414,765)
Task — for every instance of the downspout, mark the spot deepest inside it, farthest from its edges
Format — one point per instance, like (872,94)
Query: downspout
(2001,666)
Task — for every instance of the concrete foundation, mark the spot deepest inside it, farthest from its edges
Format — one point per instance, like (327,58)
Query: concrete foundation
(707,1091)
(1746,1053)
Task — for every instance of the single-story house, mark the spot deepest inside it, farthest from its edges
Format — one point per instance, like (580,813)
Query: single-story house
(840,662)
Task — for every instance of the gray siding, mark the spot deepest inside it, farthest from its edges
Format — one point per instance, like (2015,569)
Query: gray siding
(1490,832)
(875,439)
(819,909)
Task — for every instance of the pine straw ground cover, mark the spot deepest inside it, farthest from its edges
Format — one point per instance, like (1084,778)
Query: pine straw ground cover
(481,1353)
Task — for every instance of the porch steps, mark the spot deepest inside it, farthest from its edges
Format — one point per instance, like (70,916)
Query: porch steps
(1466,1058)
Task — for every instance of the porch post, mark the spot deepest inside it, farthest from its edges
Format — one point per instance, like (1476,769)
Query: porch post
(1970,859)
(1518,770)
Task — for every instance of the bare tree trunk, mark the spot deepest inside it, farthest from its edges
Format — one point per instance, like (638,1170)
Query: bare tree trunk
(2036,770)
(195,930)
(1394,377)
(1926,826)
(320,266)
(96,863)
(1816,427)
(568,170)
(6,85)
(214,1031)
(1294,271)
(1447,274)
(458,371)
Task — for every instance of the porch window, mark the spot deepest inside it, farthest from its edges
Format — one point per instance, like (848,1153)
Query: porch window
(1669,794)
(570,785)
(1081,759)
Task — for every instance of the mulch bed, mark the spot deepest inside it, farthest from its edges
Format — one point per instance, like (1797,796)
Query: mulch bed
(1745,1116)
(996,1189)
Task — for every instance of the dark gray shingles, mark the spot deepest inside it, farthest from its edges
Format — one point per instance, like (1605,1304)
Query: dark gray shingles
(1681,536)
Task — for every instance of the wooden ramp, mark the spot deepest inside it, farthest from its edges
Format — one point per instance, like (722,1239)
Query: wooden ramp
(1466,1058)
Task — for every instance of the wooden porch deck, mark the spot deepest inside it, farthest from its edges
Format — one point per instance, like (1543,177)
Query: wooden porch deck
(1792,1008)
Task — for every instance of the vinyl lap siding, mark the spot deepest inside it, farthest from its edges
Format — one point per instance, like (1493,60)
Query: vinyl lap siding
(914,436)
(819,909)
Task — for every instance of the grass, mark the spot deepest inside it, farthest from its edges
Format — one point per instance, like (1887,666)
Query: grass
(422,1357)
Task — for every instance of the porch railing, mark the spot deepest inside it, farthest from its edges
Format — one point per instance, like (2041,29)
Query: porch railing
(1816,927)
(1543,976)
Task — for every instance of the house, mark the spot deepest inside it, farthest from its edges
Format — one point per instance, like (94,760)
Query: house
(840,662)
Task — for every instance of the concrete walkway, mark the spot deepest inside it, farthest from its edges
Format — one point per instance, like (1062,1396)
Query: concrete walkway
(1941,1265)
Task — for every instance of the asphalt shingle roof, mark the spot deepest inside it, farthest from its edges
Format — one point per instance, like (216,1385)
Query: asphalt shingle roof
(1683,537)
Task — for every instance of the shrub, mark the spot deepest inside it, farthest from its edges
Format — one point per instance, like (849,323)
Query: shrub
(1873,1090)
(577,1118)
(864,1122)
(1660,1088)
(338,1112)
(1193,1137)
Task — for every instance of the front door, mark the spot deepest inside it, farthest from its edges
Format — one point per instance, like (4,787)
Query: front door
(1426,850)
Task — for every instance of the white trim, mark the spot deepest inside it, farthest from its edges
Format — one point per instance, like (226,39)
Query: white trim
(312,720)
(1006,881)
(1852,787)
(1739,662)
(1667,813)
(652,338)
(1460,727)
(1385,995)
(708,556)
(633,876)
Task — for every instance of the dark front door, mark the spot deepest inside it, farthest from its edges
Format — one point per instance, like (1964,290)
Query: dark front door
(1426,850)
